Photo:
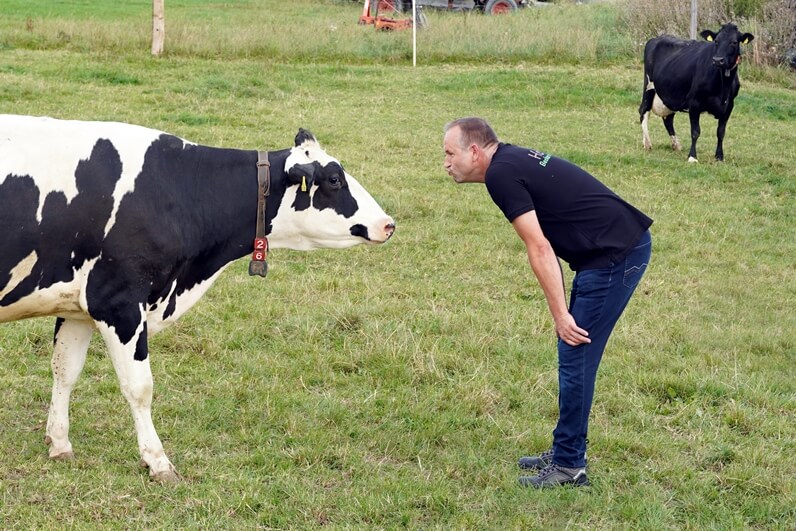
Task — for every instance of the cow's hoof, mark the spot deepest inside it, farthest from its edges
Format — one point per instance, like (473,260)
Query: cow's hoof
(63,456)
(167,477)
(58,455)
(647,146)
(692,159)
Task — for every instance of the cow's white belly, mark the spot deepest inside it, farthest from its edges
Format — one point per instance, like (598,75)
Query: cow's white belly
(659,108)
(61,299)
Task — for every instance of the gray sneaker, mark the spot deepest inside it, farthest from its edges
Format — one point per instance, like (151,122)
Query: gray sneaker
(536,462)
(555,476)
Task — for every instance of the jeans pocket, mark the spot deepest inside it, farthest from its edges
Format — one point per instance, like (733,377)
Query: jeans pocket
(633,273)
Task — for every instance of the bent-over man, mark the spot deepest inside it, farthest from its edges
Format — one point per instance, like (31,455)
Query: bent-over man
(561,211)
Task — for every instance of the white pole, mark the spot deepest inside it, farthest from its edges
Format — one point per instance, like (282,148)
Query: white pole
(414,33)
(694,9)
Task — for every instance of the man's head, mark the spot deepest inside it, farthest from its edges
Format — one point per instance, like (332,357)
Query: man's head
(469,145)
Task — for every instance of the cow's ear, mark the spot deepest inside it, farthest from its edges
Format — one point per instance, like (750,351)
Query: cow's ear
(707,35)
(303,175)
(303,135)
(746,38)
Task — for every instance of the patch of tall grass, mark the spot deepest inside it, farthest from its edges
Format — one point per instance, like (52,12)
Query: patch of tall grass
(317,32)
(772,22)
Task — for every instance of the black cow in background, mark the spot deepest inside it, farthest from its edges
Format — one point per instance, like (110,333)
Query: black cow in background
(693,76)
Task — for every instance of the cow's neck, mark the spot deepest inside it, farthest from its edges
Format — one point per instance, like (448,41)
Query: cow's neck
(727,78)
(229,225)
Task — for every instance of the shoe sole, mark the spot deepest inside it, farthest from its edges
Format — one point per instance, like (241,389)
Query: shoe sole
(526,466)
(582,481)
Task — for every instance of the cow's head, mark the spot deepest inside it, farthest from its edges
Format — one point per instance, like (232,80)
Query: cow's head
(727,46)
(323,206)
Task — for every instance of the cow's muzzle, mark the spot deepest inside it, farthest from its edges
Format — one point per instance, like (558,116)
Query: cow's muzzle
(379,232)
(724,64)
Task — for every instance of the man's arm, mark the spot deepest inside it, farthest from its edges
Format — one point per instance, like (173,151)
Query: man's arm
(547,269)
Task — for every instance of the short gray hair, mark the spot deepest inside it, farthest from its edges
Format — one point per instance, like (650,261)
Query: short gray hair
(474,131)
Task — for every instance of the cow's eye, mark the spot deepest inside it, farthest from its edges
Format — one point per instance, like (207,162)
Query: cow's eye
(334,180)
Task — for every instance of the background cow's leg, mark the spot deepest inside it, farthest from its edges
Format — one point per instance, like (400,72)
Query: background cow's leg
(644,116)
(131,362)
(720,138)
(645,131)
(694,116)
(69,356)
(668,123)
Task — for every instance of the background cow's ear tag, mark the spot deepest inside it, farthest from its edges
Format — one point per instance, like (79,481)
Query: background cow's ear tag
(258,267)
(709,38)
(303,183)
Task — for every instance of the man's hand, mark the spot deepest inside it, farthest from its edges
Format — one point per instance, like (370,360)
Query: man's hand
(569,332)
(547,269)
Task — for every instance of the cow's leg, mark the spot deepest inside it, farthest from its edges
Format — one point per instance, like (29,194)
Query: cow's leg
(645,131)
(644,117)
(720,139)
(668,123)
(694,116)
(131,362)
(69,356)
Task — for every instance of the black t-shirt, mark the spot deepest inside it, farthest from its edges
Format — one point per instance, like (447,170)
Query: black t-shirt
(587,224)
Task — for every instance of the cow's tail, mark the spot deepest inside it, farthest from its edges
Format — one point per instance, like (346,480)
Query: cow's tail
(647,97)
(648,89)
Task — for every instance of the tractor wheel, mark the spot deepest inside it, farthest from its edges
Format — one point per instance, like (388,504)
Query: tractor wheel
(499,7)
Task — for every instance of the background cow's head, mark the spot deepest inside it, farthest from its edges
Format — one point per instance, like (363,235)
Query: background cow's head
(727,46)
(323,206)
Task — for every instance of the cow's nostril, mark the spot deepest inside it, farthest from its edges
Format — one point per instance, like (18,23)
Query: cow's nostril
(389,228)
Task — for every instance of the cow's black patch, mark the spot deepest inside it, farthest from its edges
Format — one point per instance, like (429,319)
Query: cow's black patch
(19,198)
(331,188)
(333,191)
(59,322)
(141,348)
(302,136)
(360,231)
(171,307)
(69,233)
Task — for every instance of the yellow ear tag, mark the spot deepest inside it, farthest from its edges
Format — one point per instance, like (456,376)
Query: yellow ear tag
(303,183)
(709,38)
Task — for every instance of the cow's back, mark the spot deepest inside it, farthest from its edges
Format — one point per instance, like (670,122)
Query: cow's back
(60,184)
(671,64)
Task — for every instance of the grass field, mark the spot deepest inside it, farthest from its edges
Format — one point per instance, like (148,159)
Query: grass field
(396,386)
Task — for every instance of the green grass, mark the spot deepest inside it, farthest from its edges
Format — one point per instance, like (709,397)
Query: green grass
(395,387)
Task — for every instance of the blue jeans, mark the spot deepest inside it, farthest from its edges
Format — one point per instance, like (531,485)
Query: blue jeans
(598,298)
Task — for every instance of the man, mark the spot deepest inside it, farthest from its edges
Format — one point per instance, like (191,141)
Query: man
(560,210)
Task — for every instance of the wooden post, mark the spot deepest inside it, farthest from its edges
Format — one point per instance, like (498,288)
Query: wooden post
(694,9)
(158,27)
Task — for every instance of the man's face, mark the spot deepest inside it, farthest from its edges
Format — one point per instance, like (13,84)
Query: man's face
(459,161)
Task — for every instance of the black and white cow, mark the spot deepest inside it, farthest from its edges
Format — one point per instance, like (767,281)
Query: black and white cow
(692,76)
(121,229)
